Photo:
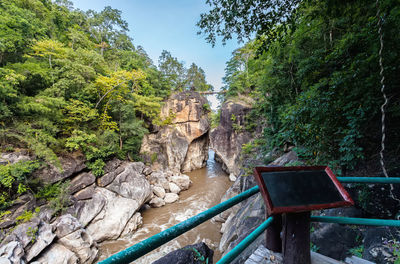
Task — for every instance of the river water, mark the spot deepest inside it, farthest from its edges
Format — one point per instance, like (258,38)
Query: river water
(209,185)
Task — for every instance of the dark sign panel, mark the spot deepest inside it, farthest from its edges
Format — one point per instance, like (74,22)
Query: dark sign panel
(300,189)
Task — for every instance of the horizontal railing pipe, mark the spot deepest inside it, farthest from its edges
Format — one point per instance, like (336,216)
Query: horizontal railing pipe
(355,221)
(142,248)
(231,255)
(368,180)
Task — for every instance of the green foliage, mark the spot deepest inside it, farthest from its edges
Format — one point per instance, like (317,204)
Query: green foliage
(317,85)
(14,179)
(357,251)
(74,80)
(49,191)
(26,216)
(153,157)
(59,199)
(314,247)
(215,118)
(32,233)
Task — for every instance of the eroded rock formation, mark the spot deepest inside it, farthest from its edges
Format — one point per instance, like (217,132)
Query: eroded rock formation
(100,209)
(227,139)
(180,145)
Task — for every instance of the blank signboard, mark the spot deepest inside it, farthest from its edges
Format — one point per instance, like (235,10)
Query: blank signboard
(299,189)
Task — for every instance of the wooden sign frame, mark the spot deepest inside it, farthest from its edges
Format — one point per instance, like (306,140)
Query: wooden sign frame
(347,201)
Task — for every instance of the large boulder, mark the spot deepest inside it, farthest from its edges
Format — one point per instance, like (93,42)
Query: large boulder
(71,165)
(180,145)
(112,219)
(58,254)
(131,183)
(227,139)
(193,254)
(12,252)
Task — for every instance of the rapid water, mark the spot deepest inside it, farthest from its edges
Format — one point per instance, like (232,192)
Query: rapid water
(209,185)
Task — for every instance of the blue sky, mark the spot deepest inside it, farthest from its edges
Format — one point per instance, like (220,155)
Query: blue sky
(170,25)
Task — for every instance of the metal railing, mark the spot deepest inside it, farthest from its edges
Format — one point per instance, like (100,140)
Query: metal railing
(142,248)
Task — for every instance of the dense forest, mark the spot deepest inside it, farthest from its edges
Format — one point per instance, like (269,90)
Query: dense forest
(73,81)
(313,70)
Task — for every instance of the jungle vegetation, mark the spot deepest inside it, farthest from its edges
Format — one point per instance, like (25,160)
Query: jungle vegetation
(73,81)
(313,69)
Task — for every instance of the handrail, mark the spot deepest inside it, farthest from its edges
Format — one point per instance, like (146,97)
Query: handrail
(355,221)
(369,180)
(140,249)
(231,255)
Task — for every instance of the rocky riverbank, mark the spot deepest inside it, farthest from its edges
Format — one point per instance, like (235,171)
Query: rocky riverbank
(100,209)
(90,210)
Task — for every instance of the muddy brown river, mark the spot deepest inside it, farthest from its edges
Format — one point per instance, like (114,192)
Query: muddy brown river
(209,185)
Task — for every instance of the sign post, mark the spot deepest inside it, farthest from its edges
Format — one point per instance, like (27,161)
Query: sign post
(293,192)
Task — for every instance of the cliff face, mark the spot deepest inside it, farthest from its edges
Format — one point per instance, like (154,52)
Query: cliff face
(182,144)
(227,139)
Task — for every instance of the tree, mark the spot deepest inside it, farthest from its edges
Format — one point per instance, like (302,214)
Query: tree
(243,18)
(172,70)
(105,26)
(48,48)
(196,79)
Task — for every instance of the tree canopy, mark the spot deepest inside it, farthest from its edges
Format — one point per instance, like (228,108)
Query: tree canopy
(317,86)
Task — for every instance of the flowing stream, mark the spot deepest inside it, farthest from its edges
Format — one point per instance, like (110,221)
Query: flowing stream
(209,185)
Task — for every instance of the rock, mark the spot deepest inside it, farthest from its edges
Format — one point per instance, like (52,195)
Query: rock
(197,154)
(58,254)
(183,181)
(157,202)
(232,177)
(285,159)
(13,157)
(66,224)
(46,214)
(131,184)
(174,188)
(159,191)
(157,178)
(82,244)
(250,215)
(23,233)
(138,166)
(71,165)
(87,210)
(111,170)
(12,253)
(189,255)
(380,243)
(269,257)
(334,240)
(43,238)
(226,140)
(171,198)
(134,223)
(180,146)
(86,193)
(147,171)
(111,221)
(81,181)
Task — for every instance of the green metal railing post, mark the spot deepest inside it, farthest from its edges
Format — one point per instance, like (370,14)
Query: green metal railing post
(142,248)
(355,221)
(231,255)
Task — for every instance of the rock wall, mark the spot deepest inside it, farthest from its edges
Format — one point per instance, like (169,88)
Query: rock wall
(98,209)
(181,145)
(242,219)
(227,139)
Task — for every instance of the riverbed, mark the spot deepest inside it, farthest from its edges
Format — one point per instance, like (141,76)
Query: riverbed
(209,185)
